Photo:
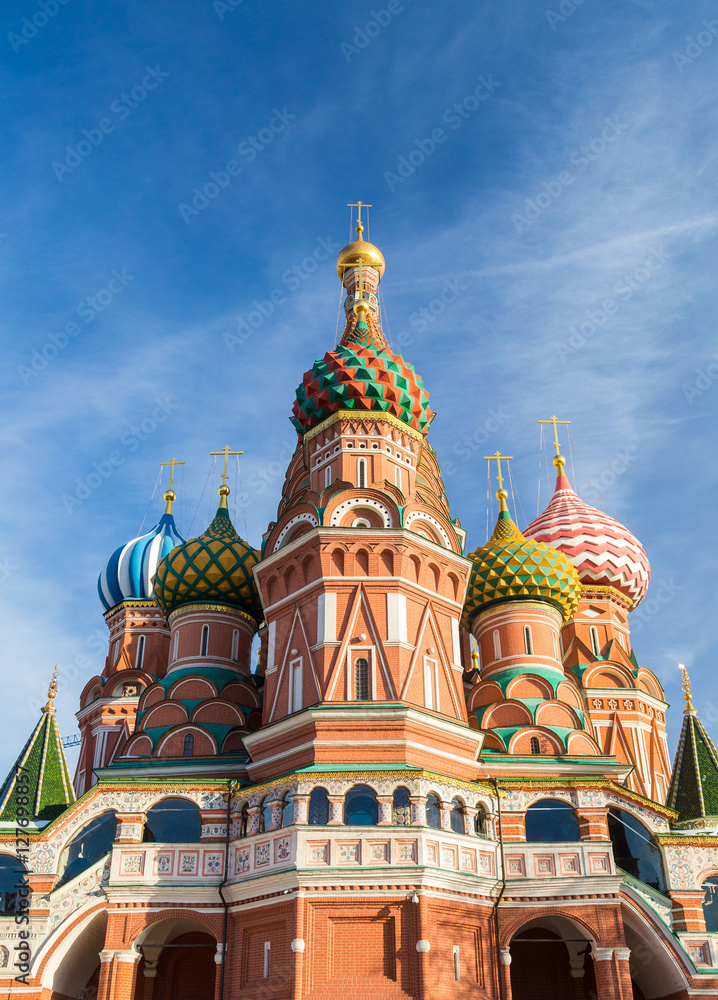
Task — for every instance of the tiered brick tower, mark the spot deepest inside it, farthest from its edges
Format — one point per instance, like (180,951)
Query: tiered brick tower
(374,811)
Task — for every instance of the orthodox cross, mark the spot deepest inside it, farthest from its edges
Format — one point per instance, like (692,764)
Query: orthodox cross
(172,462)
(358,205)
(555,423)
(226,451)
(498,458)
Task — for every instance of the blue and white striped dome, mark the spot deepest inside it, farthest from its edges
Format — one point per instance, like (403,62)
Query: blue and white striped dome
(129,571)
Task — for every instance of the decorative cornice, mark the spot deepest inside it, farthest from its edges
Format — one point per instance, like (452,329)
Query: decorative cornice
(151,604)
(225,609)
(354,415)
(587,589)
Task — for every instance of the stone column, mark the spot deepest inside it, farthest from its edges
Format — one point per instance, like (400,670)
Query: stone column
(505,972)
(275,808)
(688,910)
(301,808)
(606,985)
(445,816)
(418,810)
(423,946)
(254,812)
(336,808)
(469,817)
(386,807)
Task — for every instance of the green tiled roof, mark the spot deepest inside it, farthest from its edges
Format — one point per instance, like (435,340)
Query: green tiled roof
(48,785)
(694,784)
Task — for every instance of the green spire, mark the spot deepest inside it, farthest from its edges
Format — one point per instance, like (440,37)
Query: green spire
(43,773)
(694,784)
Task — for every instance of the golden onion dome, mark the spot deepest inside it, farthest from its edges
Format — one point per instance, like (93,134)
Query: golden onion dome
(360,252)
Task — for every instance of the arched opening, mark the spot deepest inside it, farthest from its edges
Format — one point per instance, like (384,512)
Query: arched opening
(235,644)
(402,807)
(433,811)
(528,641)
(12,871)
(182,951)
(244,821)
(535,745)
(338,562)
(360,806)
(362,562)
(89,844)
(73,967)
(265,815)
(288,811)
(172,821)
(175,647)
(497,645)
(710,903)
(188,745)
(140,658)
(551,821)
(318,807)
(556,653)
(361,472)
(551,960)
(635,850)
(480,821)
(595,645)
(361,679)
(204,645)
(457,816)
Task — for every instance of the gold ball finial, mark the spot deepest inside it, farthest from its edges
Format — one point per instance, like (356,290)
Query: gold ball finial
(502,495)
(49,709)
(686,685)
(223,491)
(559,461)
(361,309)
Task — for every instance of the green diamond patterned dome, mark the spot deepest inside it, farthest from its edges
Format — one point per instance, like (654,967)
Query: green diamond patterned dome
(511,567)
(362,374)
(216,566)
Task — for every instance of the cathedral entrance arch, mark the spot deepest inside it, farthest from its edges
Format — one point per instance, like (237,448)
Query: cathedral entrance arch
(551,960)
(655,971)
(72,969)
(178,961)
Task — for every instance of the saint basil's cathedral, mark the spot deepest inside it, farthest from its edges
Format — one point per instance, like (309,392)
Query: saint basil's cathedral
(447,776)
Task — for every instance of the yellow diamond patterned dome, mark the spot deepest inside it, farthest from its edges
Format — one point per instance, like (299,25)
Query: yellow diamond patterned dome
(216,566)
(510,567)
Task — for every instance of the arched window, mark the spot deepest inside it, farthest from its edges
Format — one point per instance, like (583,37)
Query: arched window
(172,821)
(188,746)
(116,652)
(235,644)
(87,847)
(433,811)
(550,821)
(361,679)
(594,641)
(397,476)
(635,850)
(497,645)
(288,811)
(244,821)
(556,653)
(402,807)
(295,685)
(175,648)
(265,815)
(12,871)
(327,476)
(360,806)
(140,658)
(480,821)
(621,640)
(535,745)
(205,641)
(318,807)
(361,472)
(528,641)
(710,903)
(457,816)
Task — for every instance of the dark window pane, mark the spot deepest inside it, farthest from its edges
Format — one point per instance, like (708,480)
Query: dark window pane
(318,807)
(549,821)
(361,679)
(87,846)
(360,806)
(433,812)
(457,816)
(11,874)
(173,821)
(710,904)
(402,807)
(634,849)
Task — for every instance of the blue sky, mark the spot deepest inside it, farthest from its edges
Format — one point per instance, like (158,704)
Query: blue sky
(550,171)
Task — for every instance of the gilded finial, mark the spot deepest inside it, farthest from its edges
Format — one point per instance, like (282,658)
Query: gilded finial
(686,685)
(224,489)
(170,495)
(501,494)
(51,693)
(474,658)
(359,227)
(559,461)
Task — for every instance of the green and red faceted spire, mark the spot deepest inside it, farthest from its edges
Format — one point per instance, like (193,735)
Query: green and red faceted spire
(362,373)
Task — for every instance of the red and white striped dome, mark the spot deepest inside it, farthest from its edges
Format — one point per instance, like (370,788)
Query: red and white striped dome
(604,552)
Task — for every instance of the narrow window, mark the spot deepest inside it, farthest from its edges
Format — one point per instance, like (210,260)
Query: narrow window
(433,811)
(621,640)
(328,476)
(361,472)
(594,641)
(497,645)
(457,968)
(140,659)
(402,807)
(528,641)
(556,654)
(457,816)
(267,950)
(244,821)
(175,649)
(397,476)
(205,640)
(535,746)
(288,811)
(560,645)
(431,692)
(295,688)
(480,821)
(235,644)
(188,745)
(361,679)
(116,652)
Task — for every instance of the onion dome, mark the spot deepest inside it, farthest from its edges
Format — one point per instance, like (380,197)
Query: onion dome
(604,552)
(215,567)
(362,375)
(128,572)
(511,567)
(360,253)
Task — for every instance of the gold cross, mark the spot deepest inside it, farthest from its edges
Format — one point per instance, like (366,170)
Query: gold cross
(686,685)
(358,205)
(226,451)
(555,423)
(497,457)
(172,462)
